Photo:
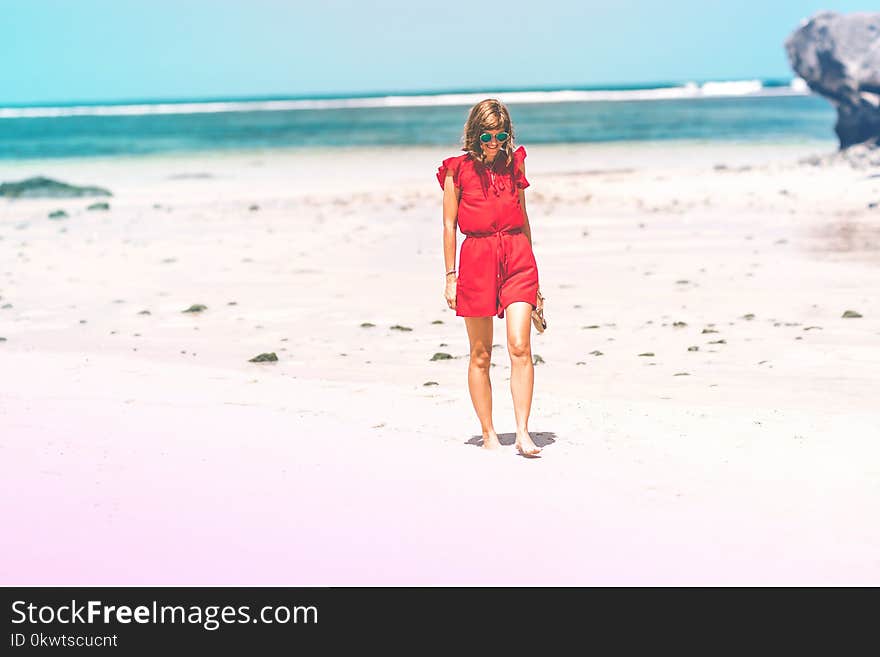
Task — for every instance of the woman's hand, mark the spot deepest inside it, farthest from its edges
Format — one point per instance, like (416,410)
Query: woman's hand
(451,285)
(540,300)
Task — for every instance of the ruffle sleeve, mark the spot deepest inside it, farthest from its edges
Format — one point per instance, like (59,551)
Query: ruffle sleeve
(519,155)
(450,164)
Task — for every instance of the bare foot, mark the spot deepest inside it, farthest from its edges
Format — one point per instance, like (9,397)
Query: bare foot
(524,444)
(490,440)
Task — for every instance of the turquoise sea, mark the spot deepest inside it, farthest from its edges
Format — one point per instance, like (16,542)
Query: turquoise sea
(741,110)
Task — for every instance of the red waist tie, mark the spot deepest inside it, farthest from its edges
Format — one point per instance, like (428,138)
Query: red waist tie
(500,251)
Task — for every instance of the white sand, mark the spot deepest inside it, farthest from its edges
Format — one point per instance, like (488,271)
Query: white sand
(146,449)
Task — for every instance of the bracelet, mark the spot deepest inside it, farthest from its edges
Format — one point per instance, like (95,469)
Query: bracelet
(451,271)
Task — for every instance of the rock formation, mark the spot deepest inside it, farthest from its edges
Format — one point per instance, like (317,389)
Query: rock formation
(40,187)
(839,57)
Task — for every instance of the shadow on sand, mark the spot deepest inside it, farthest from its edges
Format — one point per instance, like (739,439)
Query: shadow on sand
(540,438)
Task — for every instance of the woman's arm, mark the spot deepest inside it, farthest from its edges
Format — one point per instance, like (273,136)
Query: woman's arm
(527,229)
(450,222)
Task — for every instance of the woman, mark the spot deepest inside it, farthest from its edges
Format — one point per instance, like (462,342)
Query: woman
(484,194)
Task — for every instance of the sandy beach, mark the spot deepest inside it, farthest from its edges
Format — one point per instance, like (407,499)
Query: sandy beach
(707,413)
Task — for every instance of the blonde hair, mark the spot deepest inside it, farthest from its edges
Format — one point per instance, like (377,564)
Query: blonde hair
(488,114)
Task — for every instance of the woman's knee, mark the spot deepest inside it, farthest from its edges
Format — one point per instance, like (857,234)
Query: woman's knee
(519,348)
(481,358)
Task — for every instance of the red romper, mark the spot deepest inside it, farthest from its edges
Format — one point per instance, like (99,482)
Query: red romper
(496,263)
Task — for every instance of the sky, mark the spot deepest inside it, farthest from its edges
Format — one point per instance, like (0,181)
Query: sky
(62,51)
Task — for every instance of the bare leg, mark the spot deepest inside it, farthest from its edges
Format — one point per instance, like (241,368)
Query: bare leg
(480,335)
(522,371)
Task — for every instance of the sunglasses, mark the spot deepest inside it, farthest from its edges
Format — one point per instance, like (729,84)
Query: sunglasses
(486,137)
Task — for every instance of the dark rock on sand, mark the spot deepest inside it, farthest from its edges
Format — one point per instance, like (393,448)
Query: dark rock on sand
(647,353)
(430,383)
(195,308)
(58,214)
(437,321)
(708,330)
(839,57)
(40,187)
(398,327)
(850,313)
(264,357)
(99,206)
(693,348)
(441,355)
(718,342)
(145,312)
(724,167)
(199,175)
(596,352)
(367,325)
(537,359)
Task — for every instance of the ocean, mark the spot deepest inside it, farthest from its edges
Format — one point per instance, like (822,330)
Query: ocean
(742,111)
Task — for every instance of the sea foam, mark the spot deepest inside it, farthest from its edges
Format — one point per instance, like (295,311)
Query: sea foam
(710,89)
